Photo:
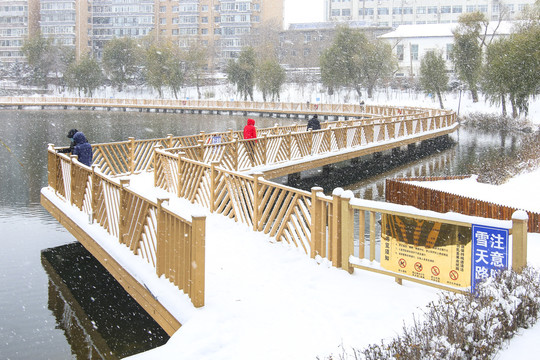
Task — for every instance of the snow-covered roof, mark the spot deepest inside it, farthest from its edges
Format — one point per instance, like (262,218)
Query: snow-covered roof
(441,30)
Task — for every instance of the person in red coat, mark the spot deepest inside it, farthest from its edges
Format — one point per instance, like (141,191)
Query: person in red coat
(250,133)
(249,130)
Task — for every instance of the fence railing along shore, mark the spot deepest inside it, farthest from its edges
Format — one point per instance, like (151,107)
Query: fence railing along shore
(399,191)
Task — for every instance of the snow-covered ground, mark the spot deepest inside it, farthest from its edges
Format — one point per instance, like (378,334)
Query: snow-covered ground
(268,300)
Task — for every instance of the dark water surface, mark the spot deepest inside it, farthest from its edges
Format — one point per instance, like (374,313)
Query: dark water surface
(52,303)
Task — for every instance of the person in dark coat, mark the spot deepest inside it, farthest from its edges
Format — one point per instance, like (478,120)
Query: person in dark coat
(82,148)
(314,123)
(72,143)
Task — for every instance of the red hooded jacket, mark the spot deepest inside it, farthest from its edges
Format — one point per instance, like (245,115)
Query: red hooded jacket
(249,130)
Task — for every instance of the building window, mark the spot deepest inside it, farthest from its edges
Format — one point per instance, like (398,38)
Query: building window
(446,9)
(399,52)
(335,12)
(482,8)
(382,11)
(407,10)
(421,10)
(471,8)
(367,11)
(162,21)
(175,31)
(397,11)
(162,9)
(414,51)
(346,12)
(204,19)
(204,31)
(457,9)
(204,8)
(432,10)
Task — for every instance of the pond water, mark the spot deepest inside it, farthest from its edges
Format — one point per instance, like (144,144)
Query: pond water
(52,303)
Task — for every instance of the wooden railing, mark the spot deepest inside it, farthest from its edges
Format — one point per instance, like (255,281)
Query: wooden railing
(274,145)
(283,212)
(398,191)
(150,229)
(361,247)
(211,105)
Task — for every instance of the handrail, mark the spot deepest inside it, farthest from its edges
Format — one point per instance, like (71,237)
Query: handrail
(150,229)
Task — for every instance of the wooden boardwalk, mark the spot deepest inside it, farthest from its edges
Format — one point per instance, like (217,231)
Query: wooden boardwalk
(225,174)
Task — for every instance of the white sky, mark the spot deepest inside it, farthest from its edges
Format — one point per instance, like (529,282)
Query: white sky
(298,11)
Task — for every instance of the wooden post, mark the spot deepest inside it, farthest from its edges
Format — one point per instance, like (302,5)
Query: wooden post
(131,154)
(347,236)
(288,150)
(316,219)
(256,200)
(519,240)
(335,228)
(72,178)
(310,141)
(198,234)
(94,194)
(170,140)
(235,154)
(372,240)
(122,209)
(213,166)
(265,149)
(200,155)
(52,159)
(180,190)
(156,164)
(161,243)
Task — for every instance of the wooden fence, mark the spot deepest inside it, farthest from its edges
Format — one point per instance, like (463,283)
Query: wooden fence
(398,191)
(333,227)
(361,234)
(291,215)
(170,243)
(274,145)
(347,110)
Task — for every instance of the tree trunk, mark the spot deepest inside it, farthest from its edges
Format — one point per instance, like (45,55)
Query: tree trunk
(503,101)
(514,107)
(474,93)
(440,98)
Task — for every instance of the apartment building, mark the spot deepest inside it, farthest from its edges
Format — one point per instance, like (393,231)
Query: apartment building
(302,44)
(87,25)
(414,12)
(17,21)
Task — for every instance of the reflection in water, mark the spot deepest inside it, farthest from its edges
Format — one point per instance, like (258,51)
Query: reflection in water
(100,320)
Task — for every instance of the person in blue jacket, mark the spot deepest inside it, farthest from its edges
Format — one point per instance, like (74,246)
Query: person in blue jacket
(82,148)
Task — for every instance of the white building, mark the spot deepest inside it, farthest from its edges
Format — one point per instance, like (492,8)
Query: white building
(415,12)
(411,42)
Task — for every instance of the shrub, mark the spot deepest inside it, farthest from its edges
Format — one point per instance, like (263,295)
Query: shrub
(467,326)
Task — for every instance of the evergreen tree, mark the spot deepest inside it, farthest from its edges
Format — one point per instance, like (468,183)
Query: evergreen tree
(121,61)
(270,78)
(433,77)
(85,75)
(467,50)
(354,62)
(39,53)
(242,72)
